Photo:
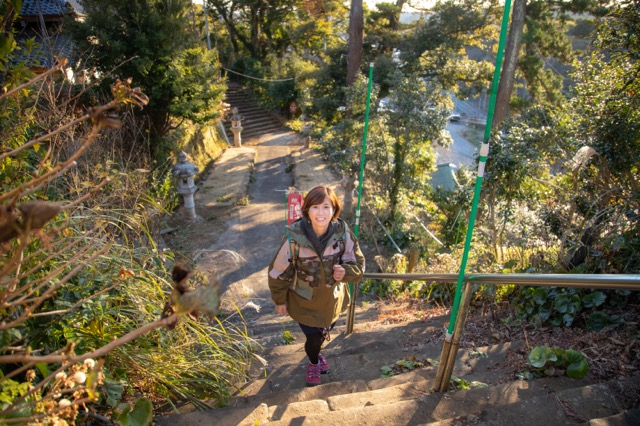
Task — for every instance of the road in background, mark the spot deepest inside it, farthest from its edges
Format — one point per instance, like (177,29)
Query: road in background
(462,152)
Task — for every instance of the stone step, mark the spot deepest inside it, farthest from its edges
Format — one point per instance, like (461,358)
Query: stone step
(408,403)
(426,408)
(275,394)
(625,418)
(603,399)
(254,130)
(287,371)
(572,405)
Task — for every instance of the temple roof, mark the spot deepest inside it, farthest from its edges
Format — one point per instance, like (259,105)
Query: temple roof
(50,7)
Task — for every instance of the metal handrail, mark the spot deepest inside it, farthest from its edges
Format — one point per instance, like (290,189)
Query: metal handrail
(593,281)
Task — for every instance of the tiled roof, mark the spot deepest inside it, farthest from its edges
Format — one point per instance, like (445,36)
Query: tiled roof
(46,51)
(50,7)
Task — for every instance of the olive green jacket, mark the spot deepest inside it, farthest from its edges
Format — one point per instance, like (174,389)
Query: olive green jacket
(312,296)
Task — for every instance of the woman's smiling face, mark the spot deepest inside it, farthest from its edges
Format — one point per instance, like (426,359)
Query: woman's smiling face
(321,215)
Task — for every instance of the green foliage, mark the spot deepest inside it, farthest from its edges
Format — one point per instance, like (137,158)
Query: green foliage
(548,361)
(575,167)
(140,415)
(91,273)
(287,337)
(541,355)
(10,391)
(555,305)
(600,320)
(457,383)
(405,365)
(436,48)
(453,209)
(402,142)
(151,43)
(562,306)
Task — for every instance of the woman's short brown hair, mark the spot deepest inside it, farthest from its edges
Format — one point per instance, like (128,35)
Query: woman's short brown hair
(316,196)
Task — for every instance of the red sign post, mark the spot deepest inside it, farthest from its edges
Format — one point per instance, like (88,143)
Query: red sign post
(294,207)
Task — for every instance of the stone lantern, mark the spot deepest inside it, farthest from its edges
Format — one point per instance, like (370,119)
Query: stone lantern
(236,127)
(307,126)
(184,171)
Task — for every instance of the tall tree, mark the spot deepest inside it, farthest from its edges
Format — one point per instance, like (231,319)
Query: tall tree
(152,43)
(256,27)
(538,37)
(585,154)
(507,76)
(356,35)
(405,140)
(438,46)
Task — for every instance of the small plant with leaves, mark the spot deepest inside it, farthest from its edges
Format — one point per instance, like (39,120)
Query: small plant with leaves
(287,337)
(458,383)
(405,365)
(547,361)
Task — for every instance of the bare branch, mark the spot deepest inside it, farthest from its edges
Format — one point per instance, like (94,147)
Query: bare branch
(34,80)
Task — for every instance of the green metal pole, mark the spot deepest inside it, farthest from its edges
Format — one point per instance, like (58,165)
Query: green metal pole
(356,228)
(363,155)
(450,347)
(484,152)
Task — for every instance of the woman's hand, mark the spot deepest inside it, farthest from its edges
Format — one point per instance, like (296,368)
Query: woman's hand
(281,310)
(338,273)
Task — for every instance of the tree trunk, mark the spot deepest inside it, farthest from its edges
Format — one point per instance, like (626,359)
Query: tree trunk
(395,20)
(234,34)
(399,155)
(356,35)
(349,185)
(507,77)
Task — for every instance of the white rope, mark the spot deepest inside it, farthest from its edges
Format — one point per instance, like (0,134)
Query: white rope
(256,78)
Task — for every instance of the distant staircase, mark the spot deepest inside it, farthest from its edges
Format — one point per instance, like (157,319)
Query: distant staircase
(256,120)
(354,393)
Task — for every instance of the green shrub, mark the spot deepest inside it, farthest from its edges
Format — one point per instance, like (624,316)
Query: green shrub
(562,306)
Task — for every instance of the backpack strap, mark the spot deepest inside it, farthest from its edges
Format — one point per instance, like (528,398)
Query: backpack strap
(294,253)
(294,259)
(343,244)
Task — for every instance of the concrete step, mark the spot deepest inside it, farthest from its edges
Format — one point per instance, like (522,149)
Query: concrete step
(354,392)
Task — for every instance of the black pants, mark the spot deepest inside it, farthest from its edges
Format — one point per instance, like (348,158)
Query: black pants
(312,346)
(315,338)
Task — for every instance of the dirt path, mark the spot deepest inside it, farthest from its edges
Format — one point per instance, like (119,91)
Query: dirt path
(243,252)
(234,242)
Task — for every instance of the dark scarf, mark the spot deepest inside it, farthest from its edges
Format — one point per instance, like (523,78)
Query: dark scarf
(318,243)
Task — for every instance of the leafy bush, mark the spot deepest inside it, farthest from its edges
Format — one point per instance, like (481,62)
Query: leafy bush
(562,306)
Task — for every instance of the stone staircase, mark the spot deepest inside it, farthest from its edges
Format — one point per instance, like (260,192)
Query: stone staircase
(354,393)
(256,121)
